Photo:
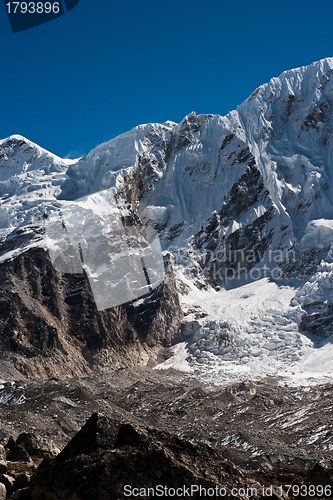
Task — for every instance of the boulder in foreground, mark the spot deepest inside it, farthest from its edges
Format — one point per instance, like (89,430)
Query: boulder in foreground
(107,455)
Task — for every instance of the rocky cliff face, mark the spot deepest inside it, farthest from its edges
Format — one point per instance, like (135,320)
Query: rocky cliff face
(230,246)
(50,324)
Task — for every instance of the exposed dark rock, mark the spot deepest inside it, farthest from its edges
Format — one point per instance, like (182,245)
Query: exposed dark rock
(22,494)
(8,481)
(128,436)
(188,127)
(99,433)
(244,193)
(52,325)
(174,231)
(318,319)
(132,189)
(159,318)
(10,443)
(36,445)
(322,473)
(18,454)
(21,237)
(227,140)
(302,264)
(236,420)
(312,119)
(229,254)
(97,464)
(315,481)
(22,481)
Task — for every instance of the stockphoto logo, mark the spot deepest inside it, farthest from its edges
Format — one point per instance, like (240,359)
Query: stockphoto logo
(26,15)
(121,257)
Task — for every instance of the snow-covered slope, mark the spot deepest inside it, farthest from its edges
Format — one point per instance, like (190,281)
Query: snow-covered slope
(243,202)
(30,177)
(105,166)
(288,124)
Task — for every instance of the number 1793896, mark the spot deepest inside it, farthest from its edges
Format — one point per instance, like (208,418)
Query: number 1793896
(33,8)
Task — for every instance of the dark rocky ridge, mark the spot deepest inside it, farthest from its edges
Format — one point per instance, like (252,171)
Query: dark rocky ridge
(222,254)
(50,325)
(318,319)
(107,454)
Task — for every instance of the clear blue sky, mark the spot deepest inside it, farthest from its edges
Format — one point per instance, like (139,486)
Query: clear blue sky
(105,66)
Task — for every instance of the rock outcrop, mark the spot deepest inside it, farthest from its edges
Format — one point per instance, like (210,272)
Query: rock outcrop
(108,458)
(50,325)
(228,248)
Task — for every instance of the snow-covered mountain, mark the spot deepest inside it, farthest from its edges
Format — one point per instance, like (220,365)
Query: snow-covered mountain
(242,202)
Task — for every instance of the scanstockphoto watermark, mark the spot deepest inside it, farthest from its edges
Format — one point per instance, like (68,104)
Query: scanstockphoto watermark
(240,256)
(195,490)
(240,272)
(229,264)
(198,491)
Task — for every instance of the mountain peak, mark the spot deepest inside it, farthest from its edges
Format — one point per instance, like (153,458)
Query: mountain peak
(231,197)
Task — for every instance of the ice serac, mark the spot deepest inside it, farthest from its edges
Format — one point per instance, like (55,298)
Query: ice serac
(242,202)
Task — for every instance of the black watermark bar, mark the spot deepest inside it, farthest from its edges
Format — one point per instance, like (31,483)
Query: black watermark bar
(26,15)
